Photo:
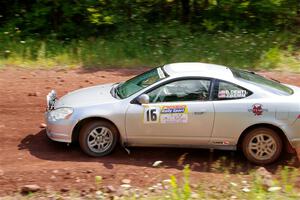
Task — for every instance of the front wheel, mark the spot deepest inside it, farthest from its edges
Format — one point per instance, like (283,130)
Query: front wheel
(98,138)
(262,146)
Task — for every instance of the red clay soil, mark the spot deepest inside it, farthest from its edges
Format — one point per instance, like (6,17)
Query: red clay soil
(27,156)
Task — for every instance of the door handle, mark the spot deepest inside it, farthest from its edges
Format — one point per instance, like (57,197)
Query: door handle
(199,113)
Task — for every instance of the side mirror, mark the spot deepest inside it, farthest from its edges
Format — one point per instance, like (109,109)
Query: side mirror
(143,99)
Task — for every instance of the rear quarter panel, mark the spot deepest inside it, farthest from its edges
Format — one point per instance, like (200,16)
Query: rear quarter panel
(234,116)
(288,112)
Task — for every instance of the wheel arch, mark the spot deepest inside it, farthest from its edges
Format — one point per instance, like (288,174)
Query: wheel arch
(278,130)
(79,124)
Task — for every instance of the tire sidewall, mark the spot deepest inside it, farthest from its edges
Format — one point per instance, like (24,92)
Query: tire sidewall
(87,128)
(268,132)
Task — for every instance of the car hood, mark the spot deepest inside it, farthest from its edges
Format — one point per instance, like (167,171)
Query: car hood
(87,97)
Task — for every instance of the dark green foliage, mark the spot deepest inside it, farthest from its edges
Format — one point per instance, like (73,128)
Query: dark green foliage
(93,18)
(97,33)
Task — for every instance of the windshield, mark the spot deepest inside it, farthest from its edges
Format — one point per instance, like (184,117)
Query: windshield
(139,82)
(270,85)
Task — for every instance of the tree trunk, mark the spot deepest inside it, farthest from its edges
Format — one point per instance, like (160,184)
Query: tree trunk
(196,8)
(185,10)
(298,9)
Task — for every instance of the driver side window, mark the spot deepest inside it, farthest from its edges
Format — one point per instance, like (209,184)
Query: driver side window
(182,90)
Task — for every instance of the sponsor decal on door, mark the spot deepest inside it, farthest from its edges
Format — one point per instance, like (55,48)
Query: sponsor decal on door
(174,114)
(165,114)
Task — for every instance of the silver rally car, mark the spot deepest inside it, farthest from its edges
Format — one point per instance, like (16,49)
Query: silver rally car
(193,105)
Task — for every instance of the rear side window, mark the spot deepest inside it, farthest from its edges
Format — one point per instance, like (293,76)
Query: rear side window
(228,91)
(269,85)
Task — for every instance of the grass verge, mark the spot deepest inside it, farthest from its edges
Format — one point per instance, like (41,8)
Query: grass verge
(156,46)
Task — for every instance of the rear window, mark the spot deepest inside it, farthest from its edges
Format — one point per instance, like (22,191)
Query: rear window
(270,85)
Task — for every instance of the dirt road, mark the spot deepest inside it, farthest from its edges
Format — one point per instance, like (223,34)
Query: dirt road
(27,156)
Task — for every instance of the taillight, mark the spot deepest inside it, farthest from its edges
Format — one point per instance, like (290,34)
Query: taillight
(298,117)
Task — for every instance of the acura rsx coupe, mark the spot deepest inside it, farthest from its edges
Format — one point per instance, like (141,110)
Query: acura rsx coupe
(192,105)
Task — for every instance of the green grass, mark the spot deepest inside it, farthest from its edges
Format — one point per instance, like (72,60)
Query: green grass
(265,50)
(283,187)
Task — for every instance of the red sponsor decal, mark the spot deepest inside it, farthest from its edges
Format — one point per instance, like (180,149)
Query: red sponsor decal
(222,94)
(257,109)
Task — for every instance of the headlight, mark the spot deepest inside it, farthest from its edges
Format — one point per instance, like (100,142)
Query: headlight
(60,113)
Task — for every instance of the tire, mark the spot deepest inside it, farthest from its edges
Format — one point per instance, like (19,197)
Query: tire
(98,138)
(262,146)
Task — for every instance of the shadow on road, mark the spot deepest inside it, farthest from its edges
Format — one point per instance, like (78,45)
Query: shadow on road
(199,159)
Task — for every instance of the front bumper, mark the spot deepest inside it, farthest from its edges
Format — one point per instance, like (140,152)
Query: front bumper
(60,130)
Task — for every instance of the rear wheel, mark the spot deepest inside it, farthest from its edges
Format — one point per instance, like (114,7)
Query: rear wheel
(262,146)
(98,138)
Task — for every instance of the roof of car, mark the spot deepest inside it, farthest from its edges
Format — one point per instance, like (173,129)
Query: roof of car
(197,69)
